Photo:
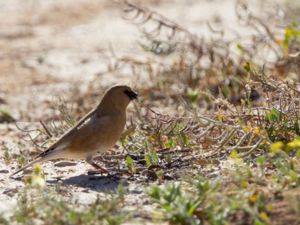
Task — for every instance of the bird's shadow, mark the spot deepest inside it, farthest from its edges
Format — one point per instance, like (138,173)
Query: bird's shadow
(93,182)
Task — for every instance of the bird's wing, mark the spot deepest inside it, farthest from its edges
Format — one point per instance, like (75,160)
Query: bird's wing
(101,126)
(98,134)
(68,133)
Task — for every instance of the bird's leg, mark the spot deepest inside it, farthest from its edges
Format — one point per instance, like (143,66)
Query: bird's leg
(90,161)
(97,167)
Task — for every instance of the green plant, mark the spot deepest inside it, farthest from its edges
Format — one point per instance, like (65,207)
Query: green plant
(49,206)
(5,116)
(130,164)
(7,156)
(151,159)
(291,35)
(280,127)
(21,160)
(178,207)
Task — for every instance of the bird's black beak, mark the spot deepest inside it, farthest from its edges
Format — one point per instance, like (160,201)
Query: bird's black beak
(131,94)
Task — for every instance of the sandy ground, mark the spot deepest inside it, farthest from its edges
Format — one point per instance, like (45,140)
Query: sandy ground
(50,48)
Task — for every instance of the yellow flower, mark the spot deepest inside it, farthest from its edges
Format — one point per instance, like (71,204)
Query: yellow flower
(221,116)
(234,154)
(277,146)
(247,129)
(294,144)
(264,216)
(244,184)
(256,130)
(36,179)
(253,198)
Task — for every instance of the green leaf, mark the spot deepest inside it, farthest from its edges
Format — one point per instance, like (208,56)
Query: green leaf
(273,116)
(287,37)
(247,67)
(193,95)
(240,48)
(154,157)
(148,161)
(130,164)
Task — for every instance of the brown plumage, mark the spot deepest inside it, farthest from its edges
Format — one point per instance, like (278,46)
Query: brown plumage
(97,131)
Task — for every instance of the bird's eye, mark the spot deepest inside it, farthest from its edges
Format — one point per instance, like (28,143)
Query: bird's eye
(132,95)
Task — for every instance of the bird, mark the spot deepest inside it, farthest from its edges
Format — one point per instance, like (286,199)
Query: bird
(96,132)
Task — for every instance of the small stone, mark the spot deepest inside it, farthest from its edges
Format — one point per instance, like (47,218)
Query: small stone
(10,192)
(65,163)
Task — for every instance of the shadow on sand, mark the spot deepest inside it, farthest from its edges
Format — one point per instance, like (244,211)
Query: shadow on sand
(95,182)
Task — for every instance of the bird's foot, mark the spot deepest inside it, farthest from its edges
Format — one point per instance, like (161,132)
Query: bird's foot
(99,168)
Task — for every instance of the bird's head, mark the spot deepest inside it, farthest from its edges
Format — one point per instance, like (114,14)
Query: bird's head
(119,97)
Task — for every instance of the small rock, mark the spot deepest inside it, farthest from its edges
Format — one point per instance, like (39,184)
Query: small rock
(65,163)
(10,192)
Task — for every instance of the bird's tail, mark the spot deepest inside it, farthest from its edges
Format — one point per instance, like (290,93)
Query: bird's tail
(38,160)
(41,158)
